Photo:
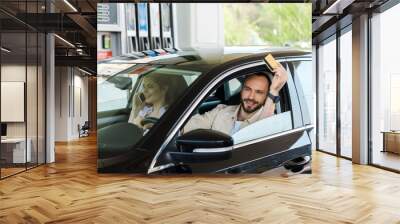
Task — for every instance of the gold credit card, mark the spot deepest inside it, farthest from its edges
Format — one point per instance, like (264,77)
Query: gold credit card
(271,62)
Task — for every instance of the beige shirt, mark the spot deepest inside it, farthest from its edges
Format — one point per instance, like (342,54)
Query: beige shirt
(222,118)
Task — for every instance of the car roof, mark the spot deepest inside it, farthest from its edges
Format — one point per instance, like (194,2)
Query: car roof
(217,57)
(205,60)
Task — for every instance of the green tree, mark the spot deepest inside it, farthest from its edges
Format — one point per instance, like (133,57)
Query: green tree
(272,24)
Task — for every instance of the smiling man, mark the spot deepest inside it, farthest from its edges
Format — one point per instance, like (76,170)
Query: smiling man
(258,99)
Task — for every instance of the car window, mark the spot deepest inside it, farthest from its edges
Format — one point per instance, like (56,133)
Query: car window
(114,94)
(189,79)
(146,91)
(110,69)
(221,117)
(213,93)
(234,86)
(265,127)
(303,78)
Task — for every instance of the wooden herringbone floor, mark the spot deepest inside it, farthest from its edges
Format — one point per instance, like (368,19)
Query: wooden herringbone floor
(71,191)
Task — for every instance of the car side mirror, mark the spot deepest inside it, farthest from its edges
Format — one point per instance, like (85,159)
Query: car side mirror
(202,145)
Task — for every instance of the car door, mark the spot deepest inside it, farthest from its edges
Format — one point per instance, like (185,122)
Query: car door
(263,145)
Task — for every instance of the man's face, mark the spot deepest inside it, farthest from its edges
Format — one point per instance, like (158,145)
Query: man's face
(254,93)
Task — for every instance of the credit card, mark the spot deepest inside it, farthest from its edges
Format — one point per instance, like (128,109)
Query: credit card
(271,62)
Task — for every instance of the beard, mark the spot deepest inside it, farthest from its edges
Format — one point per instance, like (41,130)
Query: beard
(256,105)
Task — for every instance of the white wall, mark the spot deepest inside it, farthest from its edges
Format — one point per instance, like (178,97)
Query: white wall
(80,103)
(199,25)
(33,126)
(70,84)
(14,72)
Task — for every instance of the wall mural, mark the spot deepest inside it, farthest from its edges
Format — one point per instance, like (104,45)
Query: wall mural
(205,112)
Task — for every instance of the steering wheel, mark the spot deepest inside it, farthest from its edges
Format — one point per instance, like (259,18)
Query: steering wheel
(149,120)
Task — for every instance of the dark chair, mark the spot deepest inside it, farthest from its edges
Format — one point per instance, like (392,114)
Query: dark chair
(84,130)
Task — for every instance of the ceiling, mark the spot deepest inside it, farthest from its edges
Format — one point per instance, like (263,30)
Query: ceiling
(73,20)
(332,15)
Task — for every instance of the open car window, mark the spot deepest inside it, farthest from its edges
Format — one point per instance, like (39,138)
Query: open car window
(227,96)
(265,127)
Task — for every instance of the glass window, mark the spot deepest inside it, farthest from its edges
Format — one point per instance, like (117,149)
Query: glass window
(35,89)
(41,98)
(131,18)
(234,86)
(32,98)
(155,19)
(346,94)
(394,102)
(267,24)
(105,70)
(166,11)
(265,127)
(305,84)
(107,14)
(166,17)
(22,90)
(142,19)
(111,98)
(143,93)
(385,89)
(149,91)
(327,97)
(14,150)
(221,116)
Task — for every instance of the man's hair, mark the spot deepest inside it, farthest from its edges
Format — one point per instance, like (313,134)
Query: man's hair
(258,74)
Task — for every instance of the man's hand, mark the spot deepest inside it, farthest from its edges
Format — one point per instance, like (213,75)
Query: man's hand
(279,80)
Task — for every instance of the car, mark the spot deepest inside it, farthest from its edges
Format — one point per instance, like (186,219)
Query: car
(200,83)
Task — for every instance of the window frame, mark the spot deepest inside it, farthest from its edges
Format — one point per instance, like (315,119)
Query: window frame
(305,112)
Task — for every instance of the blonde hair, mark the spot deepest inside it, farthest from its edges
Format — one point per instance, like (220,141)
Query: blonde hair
(174,86)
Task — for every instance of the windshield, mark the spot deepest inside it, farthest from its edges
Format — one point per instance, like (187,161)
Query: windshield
(141,95)
(106,70)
